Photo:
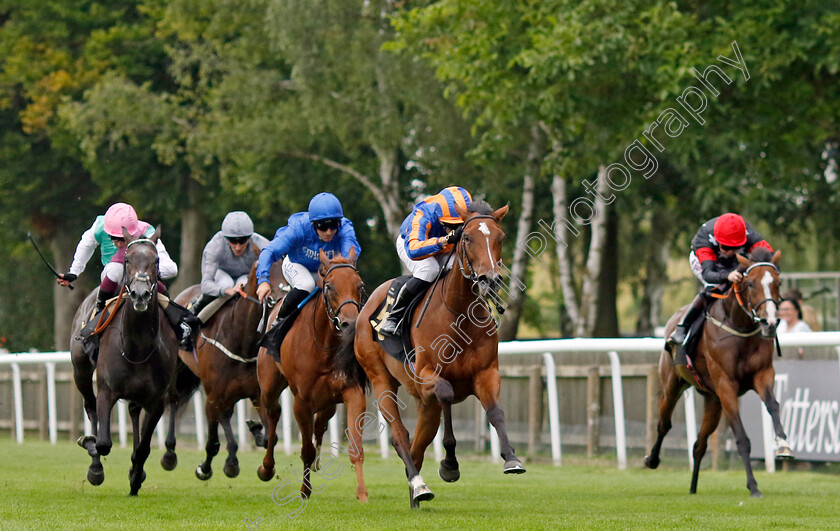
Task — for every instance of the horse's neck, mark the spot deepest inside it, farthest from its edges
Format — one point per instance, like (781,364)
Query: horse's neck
(325,333)
(734,312)
(457,292)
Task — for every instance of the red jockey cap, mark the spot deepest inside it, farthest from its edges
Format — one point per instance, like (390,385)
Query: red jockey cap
(730,230)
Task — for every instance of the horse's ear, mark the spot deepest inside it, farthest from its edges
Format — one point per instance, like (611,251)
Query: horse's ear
(325,262)
(154,237)
(463,213)
(352,255)
(776,257)
(744,261)
(499,214)
(127,236)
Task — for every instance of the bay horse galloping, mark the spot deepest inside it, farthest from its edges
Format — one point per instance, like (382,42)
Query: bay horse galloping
(225,361)
(456,352)
(734,355)
(318,364)
(136,362)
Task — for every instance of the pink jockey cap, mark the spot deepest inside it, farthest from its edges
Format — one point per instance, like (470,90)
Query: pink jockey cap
(120,215)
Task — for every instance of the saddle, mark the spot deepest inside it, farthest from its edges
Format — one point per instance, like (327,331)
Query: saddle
(399,348)
(210,310)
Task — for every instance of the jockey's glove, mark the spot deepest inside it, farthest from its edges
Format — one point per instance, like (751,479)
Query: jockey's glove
(69,277)
(455,235)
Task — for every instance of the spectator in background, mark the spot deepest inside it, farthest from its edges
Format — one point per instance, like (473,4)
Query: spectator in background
(791,315)
(807,313)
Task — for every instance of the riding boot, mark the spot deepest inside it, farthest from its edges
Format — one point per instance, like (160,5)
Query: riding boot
(409,290)
(184,323)
(203,300)
(90,341)
(697,307)
(290,302)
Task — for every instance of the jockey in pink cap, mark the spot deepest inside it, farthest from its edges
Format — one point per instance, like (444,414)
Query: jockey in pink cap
(106,232)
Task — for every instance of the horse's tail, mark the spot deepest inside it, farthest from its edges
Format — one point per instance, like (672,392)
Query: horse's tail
(345,359)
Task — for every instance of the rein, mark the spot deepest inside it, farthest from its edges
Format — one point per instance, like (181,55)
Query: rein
(746,306)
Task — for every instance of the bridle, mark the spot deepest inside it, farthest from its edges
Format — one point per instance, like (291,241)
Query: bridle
(464,260)
(140,276)
(747,306)
(332,314)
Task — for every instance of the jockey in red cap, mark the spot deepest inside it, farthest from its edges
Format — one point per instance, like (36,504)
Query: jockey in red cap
(713,261)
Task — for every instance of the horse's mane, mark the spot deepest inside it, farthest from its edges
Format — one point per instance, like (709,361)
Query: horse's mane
(480,206)
(761,254)
(345,359)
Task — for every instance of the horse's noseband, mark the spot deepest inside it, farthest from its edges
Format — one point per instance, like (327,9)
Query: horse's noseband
(333,314)
(747,305)
(140,276)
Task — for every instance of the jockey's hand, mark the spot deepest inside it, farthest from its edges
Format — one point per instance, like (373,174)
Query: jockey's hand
(735,276)
(65,279)
(232,291)
(262,290)
(455,235)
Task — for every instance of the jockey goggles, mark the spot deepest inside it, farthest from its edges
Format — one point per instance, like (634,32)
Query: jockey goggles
(326,224)
(117,239)
(238,240)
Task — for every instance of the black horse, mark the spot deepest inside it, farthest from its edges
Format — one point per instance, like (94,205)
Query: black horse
(137,361)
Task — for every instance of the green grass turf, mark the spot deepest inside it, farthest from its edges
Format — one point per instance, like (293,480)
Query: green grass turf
(44,487)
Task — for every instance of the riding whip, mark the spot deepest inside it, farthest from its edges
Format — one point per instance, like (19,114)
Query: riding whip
(35,245)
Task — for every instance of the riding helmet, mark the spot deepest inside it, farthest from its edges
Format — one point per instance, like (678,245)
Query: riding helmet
(120,215)
(237,224)
(454,195)
(325,206)
(730,230)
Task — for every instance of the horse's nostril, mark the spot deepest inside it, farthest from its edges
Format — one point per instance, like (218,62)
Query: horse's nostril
(345,325)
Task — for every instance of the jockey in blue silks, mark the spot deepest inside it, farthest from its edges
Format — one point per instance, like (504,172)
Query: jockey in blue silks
(299,243)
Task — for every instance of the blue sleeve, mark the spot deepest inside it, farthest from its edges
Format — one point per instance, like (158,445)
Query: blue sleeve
(348,239)
(275,250)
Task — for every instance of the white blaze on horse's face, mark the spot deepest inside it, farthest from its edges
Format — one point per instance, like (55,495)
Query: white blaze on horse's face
(767,281)
(482,227)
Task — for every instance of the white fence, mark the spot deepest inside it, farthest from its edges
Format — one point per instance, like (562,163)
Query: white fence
(547,348)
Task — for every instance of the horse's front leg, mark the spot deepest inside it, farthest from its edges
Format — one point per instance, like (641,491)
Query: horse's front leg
(428,421)
(448,470)
(169,460)
(272,384)
(137,475)
(322,422)
(354,400)
(231,468)
(105,401)
(306,421)
(486,389)
(711,419)
(729,400)
(83,375)
(763,382)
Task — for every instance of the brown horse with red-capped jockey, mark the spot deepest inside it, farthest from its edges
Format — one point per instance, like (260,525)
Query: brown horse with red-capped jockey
(733,356)
(455,346)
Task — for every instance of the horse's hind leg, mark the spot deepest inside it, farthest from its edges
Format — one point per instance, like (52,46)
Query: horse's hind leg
(256,428)
(448,469)
(428,420)
(763,385)
(104,404)
(671,391)
(711,419)
(354,399)
(322,422)
(729,400)
(272,384)
(231,468)
(169,460)
(137,475)
(486,387)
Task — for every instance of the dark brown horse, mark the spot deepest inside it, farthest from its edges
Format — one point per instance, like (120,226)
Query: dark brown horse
(318,365)
(225,361)
(456,346)
(136,362)
(734,355)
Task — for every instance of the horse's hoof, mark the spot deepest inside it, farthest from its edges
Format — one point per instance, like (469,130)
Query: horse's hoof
(202,475)
(169,461)
(362,496)
(756,494)
(134,492)
(419,491)
(256,430)
(95,477)
(264,473)
(449,475)
(651,462)
(231,470)
(514,466)
(784,452)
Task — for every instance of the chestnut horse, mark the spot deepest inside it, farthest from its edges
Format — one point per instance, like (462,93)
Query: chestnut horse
(225,361)
(734,355)
(137,362)
(456,346)
(318,365)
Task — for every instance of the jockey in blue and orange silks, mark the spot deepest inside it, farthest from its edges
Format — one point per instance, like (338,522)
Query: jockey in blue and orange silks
(426,237)
(298,244)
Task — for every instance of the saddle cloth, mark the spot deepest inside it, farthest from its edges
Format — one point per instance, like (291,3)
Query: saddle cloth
(398,347)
